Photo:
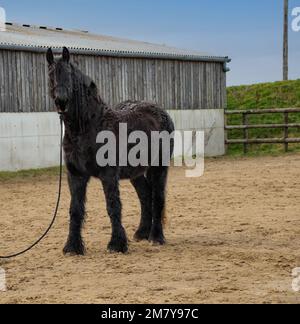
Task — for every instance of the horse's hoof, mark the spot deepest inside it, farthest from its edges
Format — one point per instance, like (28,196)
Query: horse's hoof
(157,240)
(117,247)
(141,236)
(74,249)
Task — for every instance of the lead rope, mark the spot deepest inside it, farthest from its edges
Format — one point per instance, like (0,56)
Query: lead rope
(57,204)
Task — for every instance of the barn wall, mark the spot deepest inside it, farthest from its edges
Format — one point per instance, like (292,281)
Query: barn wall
(193,92)
(31,140)
(171,84)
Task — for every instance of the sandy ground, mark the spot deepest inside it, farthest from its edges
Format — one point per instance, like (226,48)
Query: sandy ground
(233,237)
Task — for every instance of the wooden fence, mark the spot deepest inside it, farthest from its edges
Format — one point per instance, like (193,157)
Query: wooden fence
(285,140)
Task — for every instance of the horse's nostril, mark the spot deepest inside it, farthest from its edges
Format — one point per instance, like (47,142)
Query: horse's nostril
(61,103)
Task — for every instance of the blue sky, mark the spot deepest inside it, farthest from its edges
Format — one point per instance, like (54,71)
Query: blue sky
(249,31)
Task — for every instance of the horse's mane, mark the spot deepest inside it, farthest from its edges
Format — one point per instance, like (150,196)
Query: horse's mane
(86,103)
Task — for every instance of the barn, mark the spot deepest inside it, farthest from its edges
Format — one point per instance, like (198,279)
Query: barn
(191,86)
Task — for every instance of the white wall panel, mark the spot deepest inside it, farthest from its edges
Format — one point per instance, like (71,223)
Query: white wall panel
(31,140)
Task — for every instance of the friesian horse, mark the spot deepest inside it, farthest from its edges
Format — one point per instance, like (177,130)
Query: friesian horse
(85,115)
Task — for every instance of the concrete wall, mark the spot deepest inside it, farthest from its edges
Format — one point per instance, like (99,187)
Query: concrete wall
(31,140)
(211,121)
(28,141)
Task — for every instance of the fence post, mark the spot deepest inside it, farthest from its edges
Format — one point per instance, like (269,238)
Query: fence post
(246,132)
(226,131)
(286,131)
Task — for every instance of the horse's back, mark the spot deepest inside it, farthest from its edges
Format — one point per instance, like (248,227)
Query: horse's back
(145,113)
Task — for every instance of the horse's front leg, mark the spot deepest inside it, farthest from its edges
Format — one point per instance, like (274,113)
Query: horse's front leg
(118,241)
(77,187)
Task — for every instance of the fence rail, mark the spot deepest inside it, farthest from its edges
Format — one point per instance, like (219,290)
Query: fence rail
(285,140)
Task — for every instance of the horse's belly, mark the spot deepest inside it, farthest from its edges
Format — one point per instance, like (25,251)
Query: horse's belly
(132,173)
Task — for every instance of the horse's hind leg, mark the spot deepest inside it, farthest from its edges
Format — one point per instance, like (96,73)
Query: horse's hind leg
(77,187)
(159,177)
(144,191)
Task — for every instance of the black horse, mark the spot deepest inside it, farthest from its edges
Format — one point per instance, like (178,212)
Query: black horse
(85,115)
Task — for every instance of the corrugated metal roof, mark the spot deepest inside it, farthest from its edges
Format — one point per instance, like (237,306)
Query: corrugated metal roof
(38,38)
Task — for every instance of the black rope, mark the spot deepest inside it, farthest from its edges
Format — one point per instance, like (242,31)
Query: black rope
(57,204)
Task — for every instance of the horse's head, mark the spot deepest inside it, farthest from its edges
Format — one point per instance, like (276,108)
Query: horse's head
(60,78)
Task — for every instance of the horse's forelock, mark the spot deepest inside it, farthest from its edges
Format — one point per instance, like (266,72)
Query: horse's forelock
(52,80)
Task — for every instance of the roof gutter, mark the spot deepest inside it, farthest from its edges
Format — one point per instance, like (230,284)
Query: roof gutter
(225,66)
(126,54)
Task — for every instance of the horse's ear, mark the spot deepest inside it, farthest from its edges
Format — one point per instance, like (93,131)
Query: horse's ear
(50,56)
(66,55)
(93,85)
(93,89)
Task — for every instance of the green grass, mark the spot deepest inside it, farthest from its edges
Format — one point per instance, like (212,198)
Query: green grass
(29,174)
(263,96)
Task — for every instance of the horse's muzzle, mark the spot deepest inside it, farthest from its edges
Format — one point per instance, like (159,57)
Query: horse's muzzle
(61,105)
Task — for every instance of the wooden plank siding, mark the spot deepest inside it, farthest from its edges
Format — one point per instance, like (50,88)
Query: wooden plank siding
(171,84)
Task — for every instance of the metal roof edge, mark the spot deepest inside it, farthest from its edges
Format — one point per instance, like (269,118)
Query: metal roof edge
(115,53)
(45,27)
